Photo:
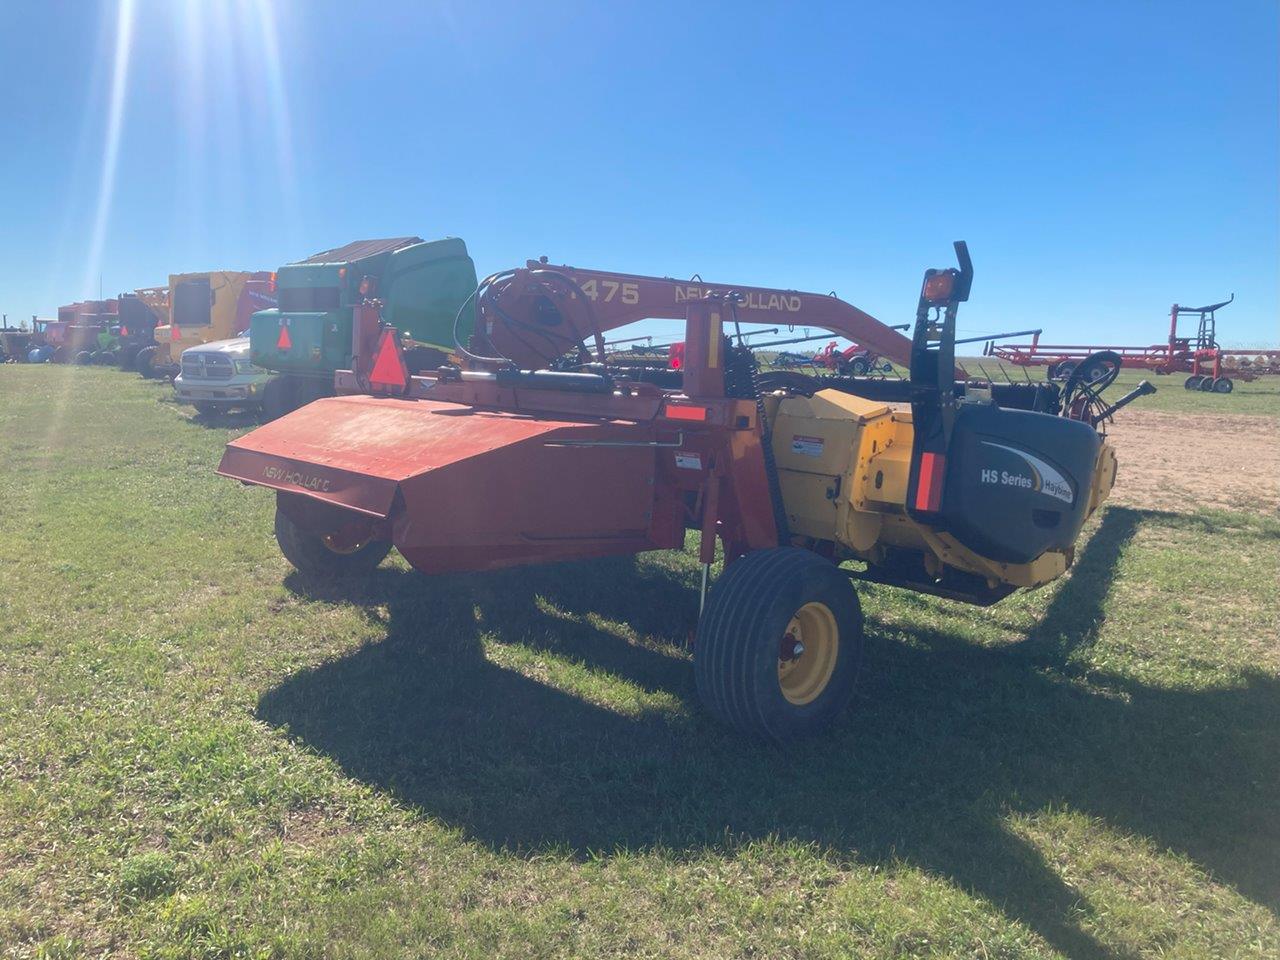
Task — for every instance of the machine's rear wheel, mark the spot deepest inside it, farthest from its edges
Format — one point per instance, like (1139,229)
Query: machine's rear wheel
(341,554)
(1223,385)
(779,644)
(144,362)
(1192,382)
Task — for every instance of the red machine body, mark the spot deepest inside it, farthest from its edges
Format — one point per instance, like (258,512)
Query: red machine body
(543,466)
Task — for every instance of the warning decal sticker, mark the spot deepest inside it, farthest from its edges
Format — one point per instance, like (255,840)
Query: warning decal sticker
(806,446)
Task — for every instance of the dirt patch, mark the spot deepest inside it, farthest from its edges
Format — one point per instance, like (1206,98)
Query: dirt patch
(1182,461)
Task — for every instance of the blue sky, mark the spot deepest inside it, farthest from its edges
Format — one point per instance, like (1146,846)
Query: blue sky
(1102,159)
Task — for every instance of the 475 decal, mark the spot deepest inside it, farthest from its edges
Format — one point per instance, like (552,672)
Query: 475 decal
(628,293)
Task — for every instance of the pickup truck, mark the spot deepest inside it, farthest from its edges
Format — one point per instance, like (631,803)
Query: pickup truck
(218,376)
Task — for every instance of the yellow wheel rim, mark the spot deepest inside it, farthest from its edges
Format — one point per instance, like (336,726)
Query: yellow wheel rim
(807,653)
(337,546)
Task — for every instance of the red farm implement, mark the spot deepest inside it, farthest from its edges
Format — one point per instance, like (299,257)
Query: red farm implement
(1211,367)
(535,449)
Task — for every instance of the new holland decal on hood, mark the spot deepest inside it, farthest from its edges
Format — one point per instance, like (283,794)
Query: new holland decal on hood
(1043,478)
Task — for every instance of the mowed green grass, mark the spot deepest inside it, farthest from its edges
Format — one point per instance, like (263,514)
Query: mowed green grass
(201,756)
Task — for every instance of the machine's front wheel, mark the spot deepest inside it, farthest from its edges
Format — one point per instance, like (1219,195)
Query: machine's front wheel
(779,644)
(340,554)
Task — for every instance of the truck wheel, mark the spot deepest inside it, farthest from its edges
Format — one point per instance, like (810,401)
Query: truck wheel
(327,557)
(145,362)
(1223,385)
(1192,382)
(779,645)
(204,408)
(279,396)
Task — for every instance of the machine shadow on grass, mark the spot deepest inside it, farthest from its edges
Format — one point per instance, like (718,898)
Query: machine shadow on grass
(945,740)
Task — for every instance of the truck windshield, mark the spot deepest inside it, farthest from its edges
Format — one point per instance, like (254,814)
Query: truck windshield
(192,303)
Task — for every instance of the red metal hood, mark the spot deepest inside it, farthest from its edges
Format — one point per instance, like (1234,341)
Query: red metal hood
(354,451)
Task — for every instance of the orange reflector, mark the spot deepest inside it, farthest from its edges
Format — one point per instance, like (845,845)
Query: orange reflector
(124,331)
(937,289)
(284,341)
(388,365)
(686,413)
(174,332)
(929,489)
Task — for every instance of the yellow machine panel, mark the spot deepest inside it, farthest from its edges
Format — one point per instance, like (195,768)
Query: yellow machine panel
(843,466)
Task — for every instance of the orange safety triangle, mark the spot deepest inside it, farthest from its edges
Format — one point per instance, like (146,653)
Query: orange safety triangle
(284,341)
(388,366)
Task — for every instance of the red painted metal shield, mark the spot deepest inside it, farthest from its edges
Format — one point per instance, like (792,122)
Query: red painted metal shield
(354,451)
(464,487)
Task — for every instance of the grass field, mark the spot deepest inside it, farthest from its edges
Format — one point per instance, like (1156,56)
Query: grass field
(202,757)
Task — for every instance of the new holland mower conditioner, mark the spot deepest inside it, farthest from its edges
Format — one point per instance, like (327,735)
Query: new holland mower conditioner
(536,449)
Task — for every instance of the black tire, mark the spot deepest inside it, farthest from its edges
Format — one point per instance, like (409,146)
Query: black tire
(83,358)
(1206,384)
(740,656)
(1064,370)
(1192,382)
(279,396)
(204,408)
(1223,385)
(313,558)
(859,367)
(144,363)
(126,356)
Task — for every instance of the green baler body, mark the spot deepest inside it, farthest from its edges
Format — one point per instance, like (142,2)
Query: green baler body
(422,287)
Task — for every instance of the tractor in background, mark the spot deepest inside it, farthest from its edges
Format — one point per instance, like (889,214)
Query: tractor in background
(139,314)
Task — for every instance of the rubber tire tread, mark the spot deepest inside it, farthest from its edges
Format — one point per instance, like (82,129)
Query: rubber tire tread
(729,641)
(144,363)
(313,559)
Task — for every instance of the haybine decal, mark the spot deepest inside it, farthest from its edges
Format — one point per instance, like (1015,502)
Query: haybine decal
(296,478)
(1043,479)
